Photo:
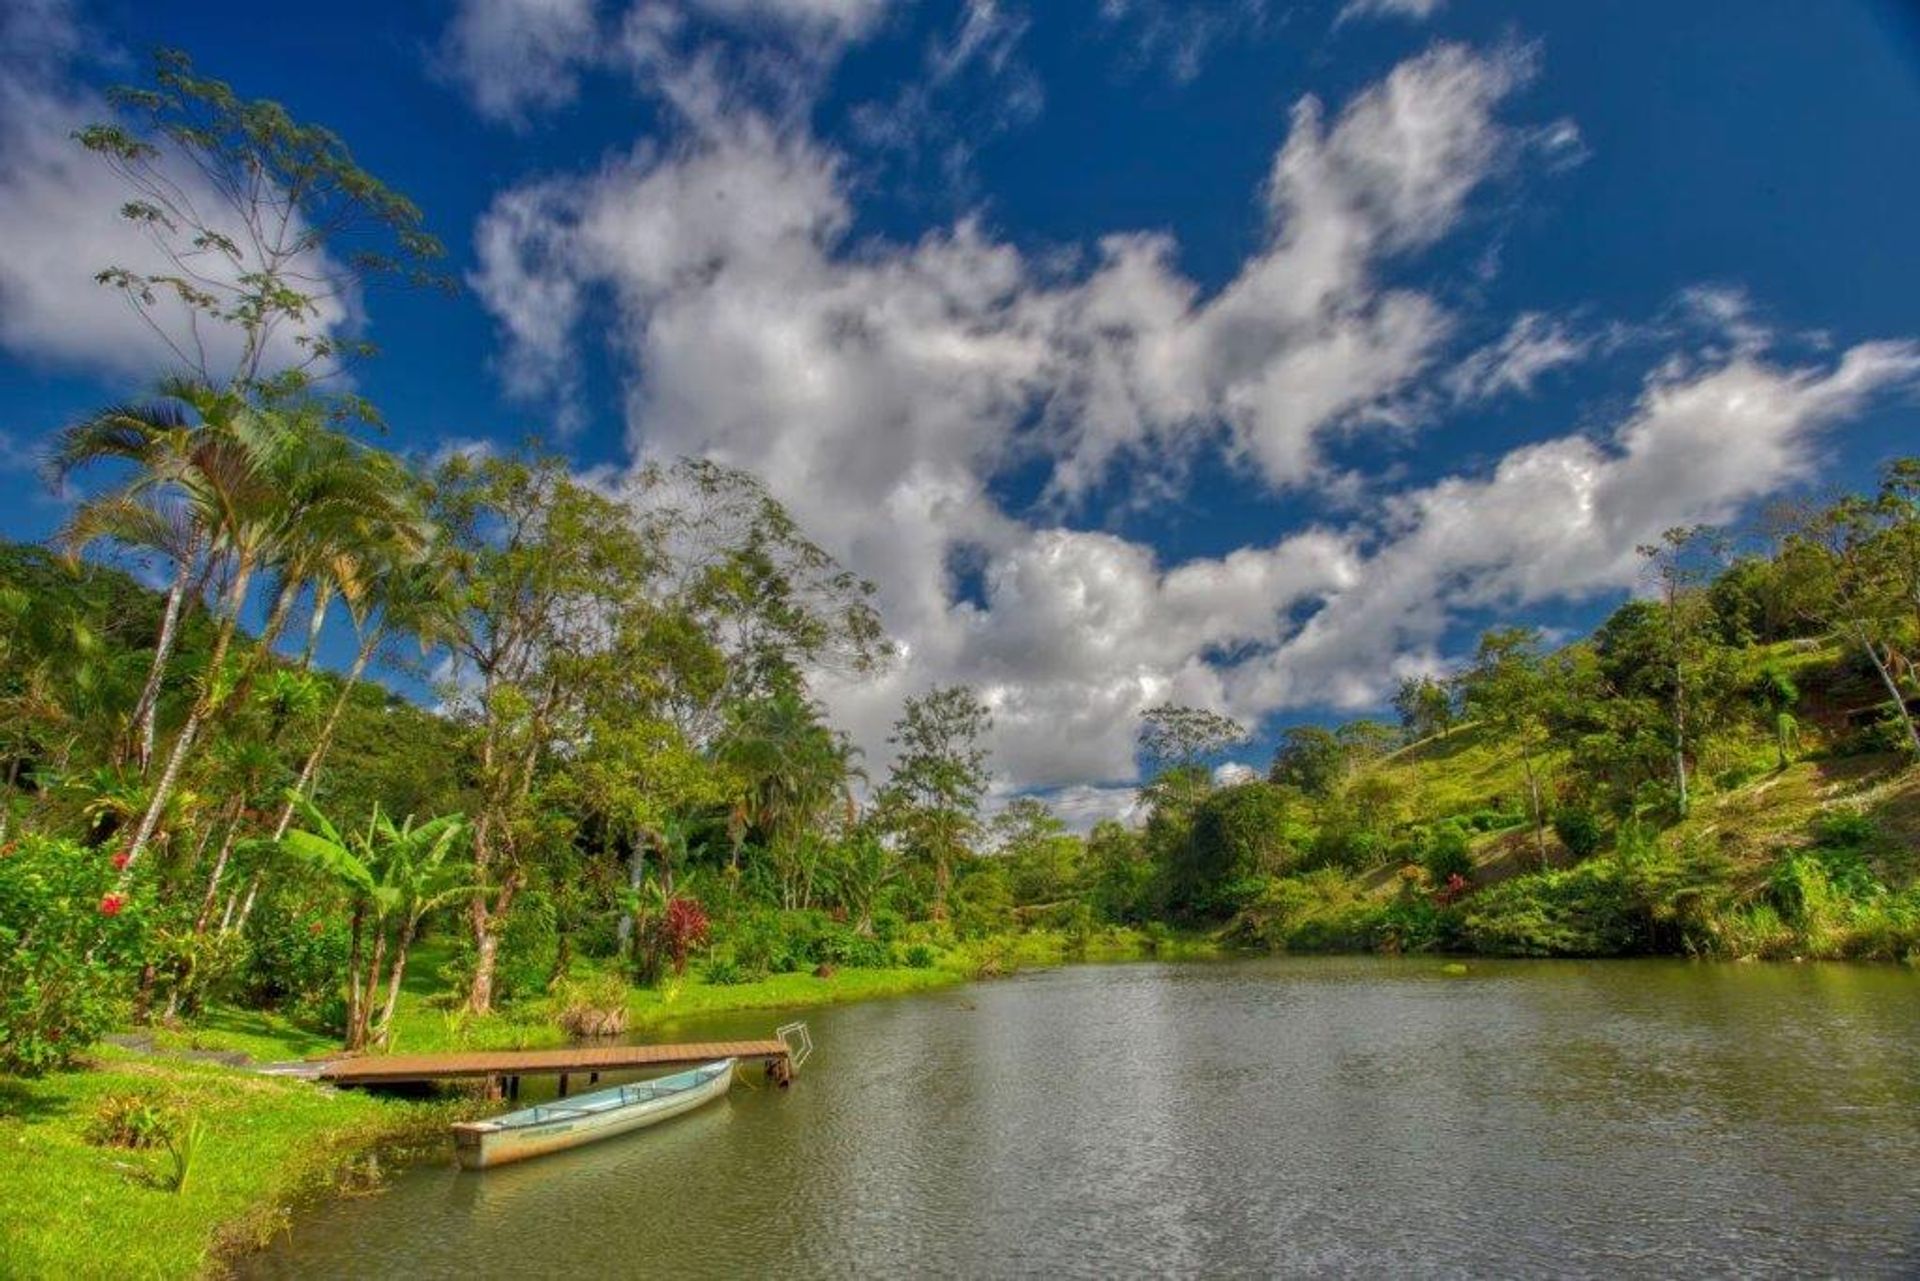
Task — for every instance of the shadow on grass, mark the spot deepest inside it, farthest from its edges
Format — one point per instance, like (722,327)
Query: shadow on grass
(26,1101)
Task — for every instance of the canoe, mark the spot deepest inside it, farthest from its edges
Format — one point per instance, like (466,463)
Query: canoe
(568,1123)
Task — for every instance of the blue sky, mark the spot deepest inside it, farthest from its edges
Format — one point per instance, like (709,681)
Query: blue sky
(1241,353)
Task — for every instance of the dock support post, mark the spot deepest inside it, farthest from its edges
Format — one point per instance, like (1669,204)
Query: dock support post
(513,1088)
(593,1078)
(563,1085)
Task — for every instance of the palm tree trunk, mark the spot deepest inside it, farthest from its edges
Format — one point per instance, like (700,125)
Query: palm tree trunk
(203,707)
(310,767)
(321,599)
(324,742)
(219,869)
(144,711)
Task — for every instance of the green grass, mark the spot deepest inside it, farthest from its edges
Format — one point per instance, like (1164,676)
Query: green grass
(69,1208)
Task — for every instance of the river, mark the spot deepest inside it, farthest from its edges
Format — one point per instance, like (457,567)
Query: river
(1311,1117)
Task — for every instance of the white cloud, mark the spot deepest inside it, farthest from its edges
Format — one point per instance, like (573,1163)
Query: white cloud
(518,58)
(1560,519)
(515,57)
(1415,10)
(60,222)
(1532,345)
(882,387)
(1303,341)
(1177,36)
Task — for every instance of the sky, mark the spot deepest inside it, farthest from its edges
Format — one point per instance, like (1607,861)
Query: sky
(1237,353)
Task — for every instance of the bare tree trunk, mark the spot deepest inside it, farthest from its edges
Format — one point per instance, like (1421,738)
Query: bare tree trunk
(1539,816)
(385,1025)
(486,950)
(353,972)
(1893,689)
(145,710)
(1680,746)
(213,881)
(636,877)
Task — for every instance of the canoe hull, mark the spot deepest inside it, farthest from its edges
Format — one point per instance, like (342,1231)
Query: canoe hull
(484,1145)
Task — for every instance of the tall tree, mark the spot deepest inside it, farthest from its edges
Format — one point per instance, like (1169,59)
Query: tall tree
(545,574)
(1507,690)
(1425,706)
(268,229)
(1675,565)
(939,778)
(796,770)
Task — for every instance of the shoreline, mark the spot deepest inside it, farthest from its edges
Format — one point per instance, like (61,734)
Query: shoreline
(275,1145)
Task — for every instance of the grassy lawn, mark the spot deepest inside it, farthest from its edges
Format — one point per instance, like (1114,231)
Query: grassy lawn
(75,1209)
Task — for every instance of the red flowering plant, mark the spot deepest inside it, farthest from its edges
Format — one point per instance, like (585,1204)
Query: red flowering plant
(668,928)
(1453,891)
(684,927)
(70,938)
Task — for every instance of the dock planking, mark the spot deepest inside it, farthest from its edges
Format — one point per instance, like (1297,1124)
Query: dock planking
(397,1069)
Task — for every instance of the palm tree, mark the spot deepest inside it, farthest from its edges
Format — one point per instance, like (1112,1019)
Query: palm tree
(412,596)
(795,769)
(204,462)
(164,508)
(291,496)
(395,875)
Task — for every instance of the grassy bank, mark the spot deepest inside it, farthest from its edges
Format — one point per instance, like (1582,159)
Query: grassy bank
(77,1208)
(73,1207)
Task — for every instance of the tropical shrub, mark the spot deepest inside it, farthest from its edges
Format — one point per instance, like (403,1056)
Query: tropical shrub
(1579,830)
(1448,854)
(130,1121)
(68,933)
(723,971)
(296,952)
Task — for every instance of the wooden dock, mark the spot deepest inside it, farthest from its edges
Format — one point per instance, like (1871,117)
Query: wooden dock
(510,1065)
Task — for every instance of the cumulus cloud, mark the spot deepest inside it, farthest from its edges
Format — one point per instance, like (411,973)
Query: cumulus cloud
(60,222)
(515,57)
(883,387)
(1560,519)
(1303,341)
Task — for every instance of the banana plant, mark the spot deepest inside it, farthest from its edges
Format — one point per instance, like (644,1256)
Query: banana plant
(395,874)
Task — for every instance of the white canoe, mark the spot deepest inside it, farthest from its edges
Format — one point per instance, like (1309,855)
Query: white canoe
(567,1123)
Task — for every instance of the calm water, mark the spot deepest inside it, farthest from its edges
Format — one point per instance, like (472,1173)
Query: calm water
(1292,1117)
